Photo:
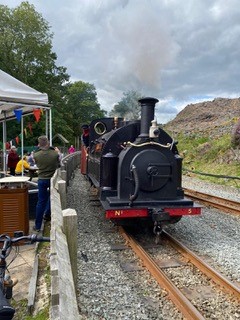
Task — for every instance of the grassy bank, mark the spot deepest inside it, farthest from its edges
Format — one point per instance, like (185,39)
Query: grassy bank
(210,155)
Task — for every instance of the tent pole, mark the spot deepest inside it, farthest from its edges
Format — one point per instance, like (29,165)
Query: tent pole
(46,124)
(22,143)
(50,126)
(4,144)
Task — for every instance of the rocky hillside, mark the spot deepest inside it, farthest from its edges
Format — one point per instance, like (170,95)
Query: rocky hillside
(207,129)
(215,117)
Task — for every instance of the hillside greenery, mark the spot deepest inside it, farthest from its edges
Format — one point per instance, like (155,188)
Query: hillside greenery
(208,155)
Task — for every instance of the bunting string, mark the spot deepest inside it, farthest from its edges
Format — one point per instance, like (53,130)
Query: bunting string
(28,129)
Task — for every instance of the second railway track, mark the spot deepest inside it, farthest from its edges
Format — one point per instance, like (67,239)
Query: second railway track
(188,307)
(226,205)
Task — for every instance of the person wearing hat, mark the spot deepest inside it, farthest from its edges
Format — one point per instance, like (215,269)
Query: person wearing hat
(84,147)
(47,161)
(85,135)
(13,159)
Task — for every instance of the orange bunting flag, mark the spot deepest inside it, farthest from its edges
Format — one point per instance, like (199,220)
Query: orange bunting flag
(36,113)
(17,139)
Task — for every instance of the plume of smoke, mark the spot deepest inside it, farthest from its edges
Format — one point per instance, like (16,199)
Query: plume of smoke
(129,42)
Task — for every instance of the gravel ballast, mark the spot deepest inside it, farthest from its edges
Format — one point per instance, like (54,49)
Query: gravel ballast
(106,292)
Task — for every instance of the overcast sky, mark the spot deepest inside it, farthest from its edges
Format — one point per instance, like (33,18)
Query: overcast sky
(179,52)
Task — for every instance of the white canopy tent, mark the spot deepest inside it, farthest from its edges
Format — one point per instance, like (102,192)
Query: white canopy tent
(15,95)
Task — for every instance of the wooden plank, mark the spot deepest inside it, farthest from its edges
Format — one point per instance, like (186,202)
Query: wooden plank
(33,286)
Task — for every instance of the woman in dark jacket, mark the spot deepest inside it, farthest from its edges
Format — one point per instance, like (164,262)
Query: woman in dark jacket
(13,159)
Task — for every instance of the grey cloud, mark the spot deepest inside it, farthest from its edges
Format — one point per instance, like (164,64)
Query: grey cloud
(175,49)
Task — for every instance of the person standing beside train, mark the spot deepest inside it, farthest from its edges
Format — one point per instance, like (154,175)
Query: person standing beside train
(85,135)
(84,147)
(47,161)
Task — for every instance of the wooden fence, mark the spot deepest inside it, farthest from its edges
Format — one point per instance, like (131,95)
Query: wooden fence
(63,257)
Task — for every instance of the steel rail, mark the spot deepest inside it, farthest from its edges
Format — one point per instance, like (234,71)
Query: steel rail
(218,278)
(177,297)
(226,205)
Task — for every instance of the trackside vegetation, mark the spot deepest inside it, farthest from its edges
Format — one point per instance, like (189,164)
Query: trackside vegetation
(214,156)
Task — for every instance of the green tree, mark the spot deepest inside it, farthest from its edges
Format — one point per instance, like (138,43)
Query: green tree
(128,107)
(82,105)
(26,54)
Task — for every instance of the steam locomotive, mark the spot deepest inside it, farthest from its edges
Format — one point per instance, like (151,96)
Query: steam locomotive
(137,169)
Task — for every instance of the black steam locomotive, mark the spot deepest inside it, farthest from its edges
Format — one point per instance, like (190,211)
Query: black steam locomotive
(137,169)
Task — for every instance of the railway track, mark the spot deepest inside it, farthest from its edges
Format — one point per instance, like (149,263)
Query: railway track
(226,205)
(185,306)
(114,284)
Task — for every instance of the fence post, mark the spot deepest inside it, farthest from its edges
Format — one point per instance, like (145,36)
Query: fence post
(70,230)
(63,193)
(64,174)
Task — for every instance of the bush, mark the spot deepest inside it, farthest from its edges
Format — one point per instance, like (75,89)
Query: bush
(235,140)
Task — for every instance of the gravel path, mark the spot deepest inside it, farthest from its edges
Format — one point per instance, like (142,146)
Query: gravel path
(106,292)
(213,234)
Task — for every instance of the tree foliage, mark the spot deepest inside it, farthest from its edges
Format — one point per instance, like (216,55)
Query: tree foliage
(82,105)
(128,107)
(26,54)
(26,49)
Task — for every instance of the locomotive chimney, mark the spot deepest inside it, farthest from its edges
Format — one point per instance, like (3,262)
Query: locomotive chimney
(147,115)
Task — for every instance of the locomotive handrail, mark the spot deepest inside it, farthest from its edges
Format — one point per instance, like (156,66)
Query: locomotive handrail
(168,145)
(136,179)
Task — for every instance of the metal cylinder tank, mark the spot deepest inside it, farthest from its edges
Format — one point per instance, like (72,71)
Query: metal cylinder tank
(109,171)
